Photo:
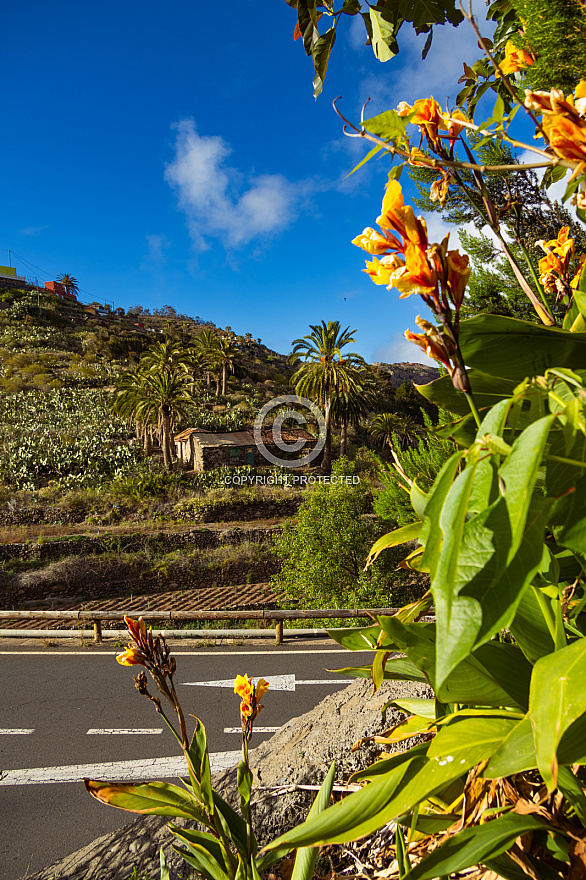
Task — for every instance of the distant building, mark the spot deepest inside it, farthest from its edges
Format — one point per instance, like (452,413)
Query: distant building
(9,272)
(57,289)
(203,450)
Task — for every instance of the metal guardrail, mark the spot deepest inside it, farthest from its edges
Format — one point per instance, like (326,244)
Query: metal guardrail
(277,616)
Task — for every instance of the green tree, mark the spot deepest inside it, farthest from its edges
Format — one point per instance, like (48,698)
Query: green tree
(325,371)
(324,549)
(352,404)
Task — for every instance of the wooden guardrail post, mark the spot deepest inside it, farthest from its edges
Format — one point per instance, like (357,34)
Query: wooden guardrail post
(98,631)
(279,632)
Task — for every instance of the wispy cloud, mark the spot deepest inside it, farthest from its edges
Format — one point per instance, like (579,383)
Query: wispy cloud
(33,230)
(155,257)
(219,201)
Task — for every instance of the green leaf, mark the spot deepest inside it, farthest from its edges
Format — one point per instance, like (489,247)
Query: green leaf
(513,349)
(388,125)
(321,55)
(149,798)
(416,706)
(164,868)
(529,627)
(244,783)
(204,848)
(572,790)
(197,754)
(384,34)
(488,390)
(366,159)
(203,862)
(557,699)
(481,734)
(307,856)
(394,539)
(474,845)
(363,638)
(234,825)
(515,754)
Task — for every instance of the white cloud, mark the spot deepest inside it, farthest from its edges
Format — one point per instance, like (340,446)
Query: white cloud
(218,200)
(155,256)
(33,230)
(400,350)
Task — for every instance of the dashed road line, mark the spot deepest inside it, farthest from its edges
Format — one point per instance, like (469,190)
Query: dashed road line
(119,771)
(16,731)
(122,731)
(255,729)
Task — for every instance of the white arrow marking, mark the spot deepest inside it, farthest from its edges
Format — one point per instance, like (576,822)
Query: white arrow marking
(254,729)
(146,768)
(16,731)
(276,682)
(116,731)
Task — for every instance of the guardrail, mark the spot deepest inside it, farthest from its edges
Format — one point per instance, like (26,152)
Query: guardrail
(277,616)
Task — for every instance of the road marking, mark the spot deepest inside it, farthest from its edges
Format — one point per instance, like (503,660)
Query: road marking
(254,730)
(16,731)
(119,771)
(115,731)
(276,682)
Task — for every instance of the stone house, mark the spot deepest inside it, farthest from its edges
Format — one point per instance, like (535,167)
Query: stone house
(202,450)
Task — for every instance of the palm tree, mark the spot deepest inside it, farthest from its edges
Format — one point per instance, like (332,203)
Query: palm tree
(206,344)
(352,405)
(383,427)
(226,356)
(324,371)
(130,390)
(69,283)
(166,357)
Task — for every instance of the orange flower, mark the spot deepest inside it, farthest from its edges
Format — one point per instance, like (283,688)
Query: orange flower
(416,276)
(373,242)
(458,276)
(380,271)
(244,687)
(563,124)
(454,128)
(249,696)
(400,217)
(131,657)
(428,116)
(433,342)
(515,59)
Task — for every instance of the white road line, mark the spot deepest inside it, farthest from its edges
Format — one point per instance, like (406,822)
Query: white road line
(275,682)
(116,731)
(255,729)
(16,731)
(119,771)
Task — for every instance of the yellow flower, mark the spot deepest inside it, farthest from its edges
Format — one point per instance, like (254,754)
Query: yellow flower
(373,242)
(131,657)
(244,687)
(562,122)
(428,117)
(262,687)
(458,276)
(400,217)
(380,271)
(416,276)
(515,59)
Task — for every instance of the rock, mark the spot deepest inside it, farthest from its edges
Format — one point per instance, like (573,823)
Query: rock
(300,752)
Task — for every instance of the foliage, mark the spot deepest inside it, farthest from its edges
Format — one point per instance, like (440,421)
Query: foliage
(417,464)
(499,780)
(382,23)
(323,550)
(227,849)
(67,436)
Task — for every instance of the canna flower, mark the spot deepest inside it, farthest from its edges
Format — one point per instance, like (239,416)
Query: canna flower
(373,242)
(380,271)
(416,276)
(454,128)
(433,342)
(515,59)
(249,699)
(400,217)
(458,276)
(131,657)
(428,117)
(563,121)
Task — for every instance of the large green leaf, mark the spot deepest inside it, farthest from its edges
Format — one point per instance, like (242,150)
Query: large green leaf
(387,125)
(148,798)
(530,628)
(307,856)
(204,850)
(396,669)
(384,28)
(321,56)
(481,734)
(515,754)
(474,845)
(487,390)
(513,349)
(198,757)
(400,536)
(557,699)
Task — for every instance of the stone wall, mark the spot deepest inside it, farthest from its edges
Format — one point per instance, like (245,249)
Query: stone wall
(162,542)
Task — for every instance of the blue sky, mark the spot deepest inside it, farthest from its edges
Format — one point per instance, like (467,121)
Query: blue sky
(174,154)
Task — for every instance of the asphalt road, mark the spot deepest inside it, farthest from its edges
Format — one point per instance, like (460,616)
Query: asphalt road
(64,715)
